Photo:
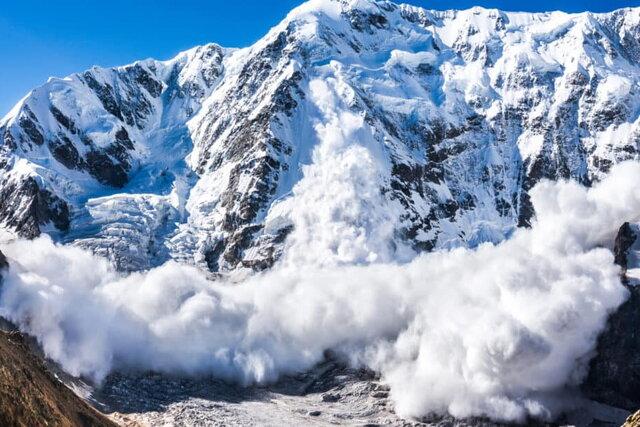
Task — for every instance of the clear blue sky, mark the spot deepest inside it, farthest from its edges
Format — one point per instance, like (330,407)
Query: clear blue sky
(42,38)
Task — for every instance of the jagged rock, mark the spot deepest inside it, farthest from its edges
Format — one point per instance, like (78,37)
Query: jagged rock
(4,263)
(25,207)
(614,373)
(625,238)
(330,397)
(30,395)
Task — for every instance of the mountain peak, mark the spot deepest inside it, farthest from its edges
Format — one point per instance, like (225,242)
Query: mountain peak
(208,146)
(336,10)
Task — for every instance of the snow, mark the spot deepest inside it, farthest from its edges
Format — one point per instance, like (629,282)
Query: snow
(176,136)
(329,8)
(8,118)
(614,88)
(497,331)
(367,140)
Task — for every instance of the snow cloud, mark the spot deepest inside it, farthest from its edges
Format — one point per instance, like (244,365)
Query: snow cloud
(494,331)
(498,330)
(338,208)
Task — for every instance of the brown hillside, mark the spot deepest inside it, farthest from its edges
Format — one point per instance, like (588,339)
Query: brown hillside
(31,396)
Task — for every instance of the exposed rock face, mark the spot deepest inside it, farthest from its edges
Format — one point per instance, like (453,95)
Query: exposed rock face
(633,420)
(3,263)
(625,239)
(27,207)
(464,111)
(614,374)
(30,395)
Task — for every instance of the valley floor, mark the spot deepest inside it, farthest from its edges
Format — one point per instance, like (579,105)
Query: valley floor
(329,394)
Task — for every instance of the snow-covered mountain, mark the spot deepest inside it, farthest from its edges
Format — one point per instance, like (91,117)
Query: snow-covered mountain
(410,129)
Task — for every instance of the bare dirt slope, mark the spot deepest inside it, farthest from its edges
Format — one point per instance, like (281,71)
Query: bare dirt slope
(31,396)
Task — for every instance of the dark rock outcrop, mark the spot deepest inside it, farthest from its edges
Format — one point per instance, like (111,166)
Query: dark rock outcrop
(3,263)
(614,374)
(624,240)
(25,206)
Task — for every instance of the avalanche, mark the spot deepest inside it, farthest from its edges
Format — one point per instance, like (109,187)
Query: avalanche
(499,331)
(361,179)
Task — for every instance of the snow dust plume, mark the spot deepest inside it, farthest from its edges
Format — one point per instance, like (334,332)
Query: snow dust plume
(494,331)
(337,208)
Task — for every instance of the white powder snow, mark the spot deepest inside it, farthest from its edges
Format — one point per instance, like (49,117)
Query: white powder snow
(494,331)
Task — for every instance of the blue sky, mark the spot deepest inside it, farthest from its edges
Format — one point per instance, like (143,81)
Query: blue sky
(42,38)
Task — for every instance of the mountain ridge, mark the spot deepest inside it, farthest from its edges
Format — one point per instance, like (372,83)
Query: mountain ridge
(201,155)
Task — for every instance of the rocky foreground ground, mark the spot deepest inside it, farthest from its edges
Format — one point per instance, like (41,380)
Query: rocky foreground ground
(34,392)
(31,396)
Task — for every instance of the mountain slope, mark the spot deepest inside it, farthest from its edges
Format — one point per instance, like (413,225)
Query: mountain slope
(368,129)
(29,395)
